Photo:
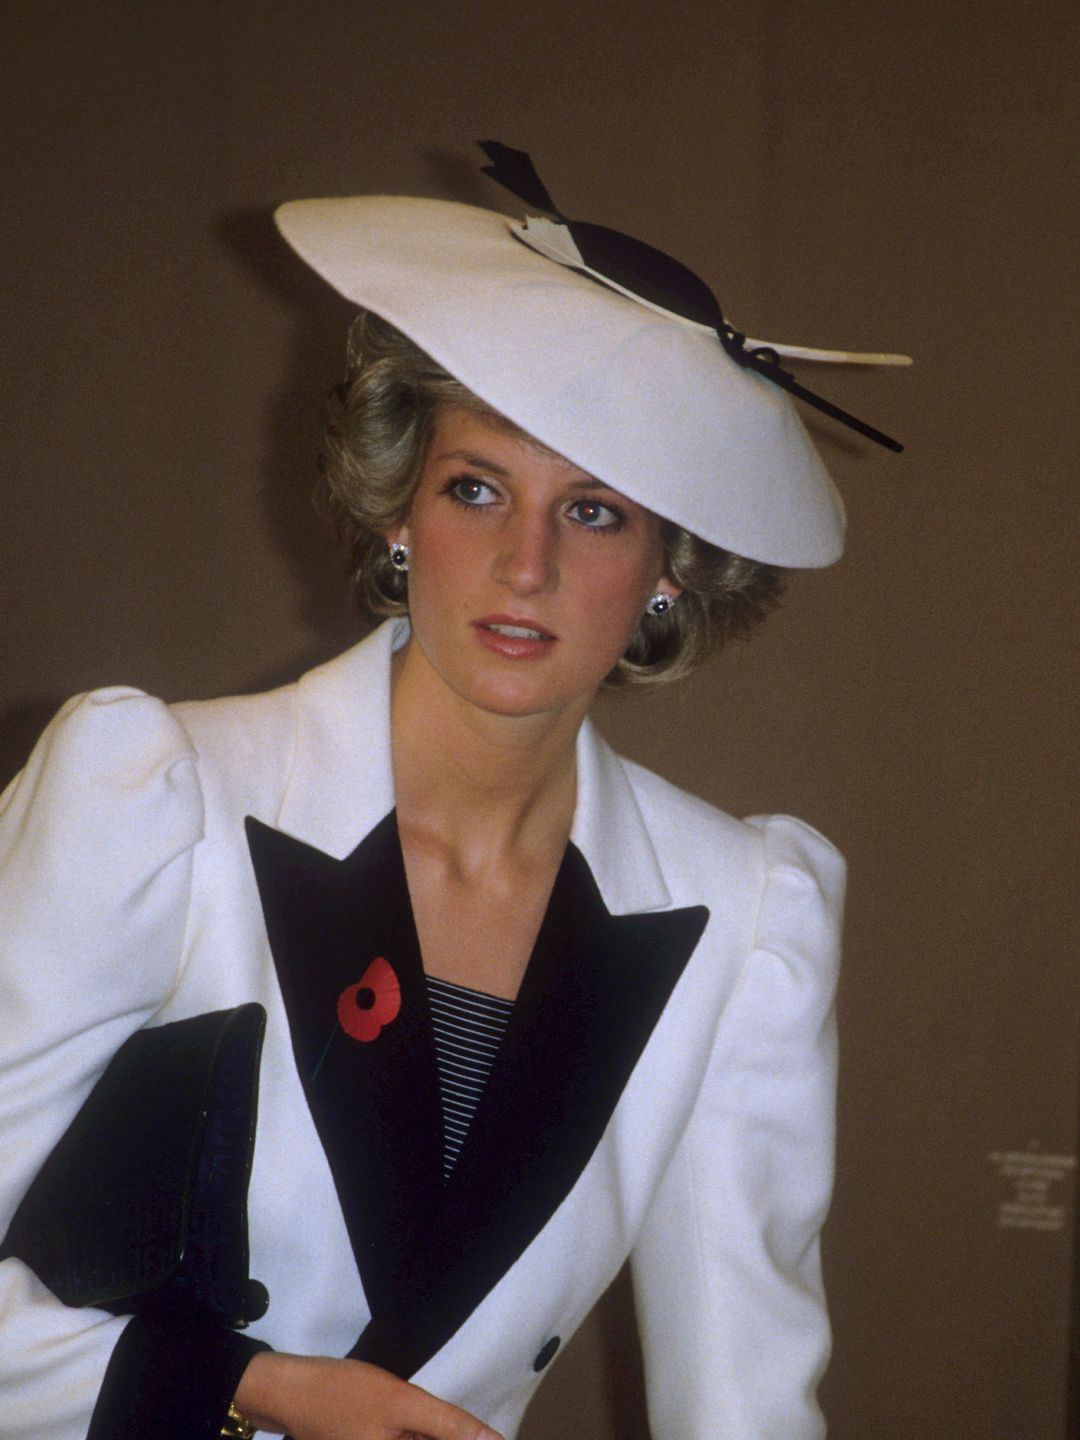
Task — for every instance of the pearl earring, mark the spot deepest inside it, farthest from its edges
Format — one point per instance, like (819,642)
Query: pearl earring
(399,557)
(660,604)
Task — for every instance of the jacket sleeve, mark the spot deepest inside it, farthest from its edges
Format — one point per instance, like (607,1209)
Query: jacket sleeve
(96,840)
(726,1270)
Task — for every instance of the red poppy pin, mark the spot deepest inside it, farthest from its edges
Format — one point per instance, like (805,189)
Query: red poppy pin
(374,1001)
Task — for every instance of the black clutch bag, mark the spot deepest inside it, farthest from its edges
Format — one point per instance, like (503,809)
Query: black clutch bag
(142,1206)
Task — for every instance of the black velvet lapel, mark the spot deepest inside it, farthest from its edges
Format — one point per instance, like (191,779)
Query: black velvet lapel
(594,989)
(375,1104)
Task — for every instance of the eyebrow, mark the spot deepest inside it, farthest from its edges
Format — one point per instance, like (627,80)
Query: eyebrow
(470,457)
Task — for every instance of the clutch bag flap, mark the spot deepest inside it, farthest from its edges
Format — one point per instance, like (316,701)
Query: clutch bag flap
(142,1204)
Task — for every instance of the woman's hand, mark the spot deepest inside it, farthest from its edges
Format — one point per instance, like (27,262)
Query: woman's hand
(318,1399)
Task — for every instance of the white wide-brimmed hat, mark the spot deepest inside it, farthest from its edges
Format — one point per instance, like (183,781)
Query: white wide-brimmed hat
(648,401)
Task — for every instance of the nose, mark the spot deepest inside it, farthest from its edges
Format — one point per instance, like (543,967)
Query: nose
(527,562)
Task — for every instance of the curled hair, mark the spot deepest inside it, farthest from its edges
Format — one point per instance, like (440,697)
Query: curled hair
(378,424)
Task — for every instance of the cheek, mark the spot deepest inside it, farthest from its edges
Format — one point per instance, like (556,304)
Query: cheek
(615,594)
(625,580)
(441,560)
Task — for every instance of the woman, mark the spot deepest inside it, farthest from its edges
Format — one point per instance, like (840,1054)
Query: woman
(560,484)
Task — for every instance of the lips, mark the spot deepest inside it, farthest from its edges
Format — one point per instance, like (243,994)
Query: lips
(518,632)
(514,628)
(514,637)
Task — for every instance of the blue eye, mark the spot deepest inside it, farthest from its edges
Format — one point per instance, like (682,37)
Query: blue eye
(468,490)
(595,516)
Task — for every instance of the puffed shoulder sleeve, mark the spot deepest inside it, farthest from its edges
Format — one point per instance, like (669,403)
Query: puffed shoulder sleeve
(727,1271)
(96,838)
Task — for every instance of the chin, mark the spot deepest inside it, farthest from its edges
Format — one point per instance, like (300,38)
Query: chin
(521,706)
(522,698)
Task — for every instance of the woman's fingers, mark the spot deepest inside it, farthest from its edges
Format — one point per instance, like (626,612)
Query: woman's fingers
(313,1398)
(408,1410)
(433,1419)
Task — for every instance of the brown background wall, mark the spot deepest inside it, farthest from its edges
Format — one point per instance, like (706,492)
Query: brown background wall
(899,176)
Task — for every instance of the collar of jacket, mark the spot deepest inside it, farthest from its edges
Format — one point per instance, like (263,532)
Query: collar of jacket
(342,730)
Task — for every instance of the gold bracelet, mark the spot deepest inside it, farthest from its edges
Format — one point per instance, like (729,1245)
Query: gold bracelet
(236,1426)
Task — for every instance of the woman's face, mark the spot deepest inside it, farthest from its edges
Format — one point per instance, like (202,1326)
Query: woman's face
(527,577)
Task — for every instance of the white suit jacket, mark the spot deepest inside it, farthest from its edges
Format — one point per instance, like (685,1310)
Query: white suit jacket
(665,1090)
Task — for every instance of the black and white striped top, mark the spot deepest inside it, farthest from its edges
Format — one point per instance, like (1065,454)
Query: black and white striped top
(469,1027)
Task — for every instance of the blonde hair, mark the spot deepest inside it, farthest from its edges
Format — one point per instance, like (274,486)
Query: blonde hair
(378,424)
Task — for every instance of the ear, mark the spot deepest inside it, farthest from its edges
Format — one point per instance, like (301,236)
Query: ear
(399,535)
(664,586)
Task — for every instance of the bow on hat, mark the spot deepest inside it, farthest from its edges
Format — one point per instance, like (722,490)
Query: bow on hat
(648,275)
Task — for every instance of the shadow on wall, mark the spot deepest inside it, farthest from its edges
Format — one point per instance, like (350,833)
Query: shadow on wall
(319,320)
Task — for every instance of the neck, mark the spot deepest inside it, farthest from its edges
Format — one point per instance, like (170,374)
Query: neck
(484,787)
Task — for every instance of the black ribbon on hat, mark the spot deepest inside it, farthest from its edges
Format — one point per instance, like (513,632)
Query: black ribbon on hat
(660,280)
